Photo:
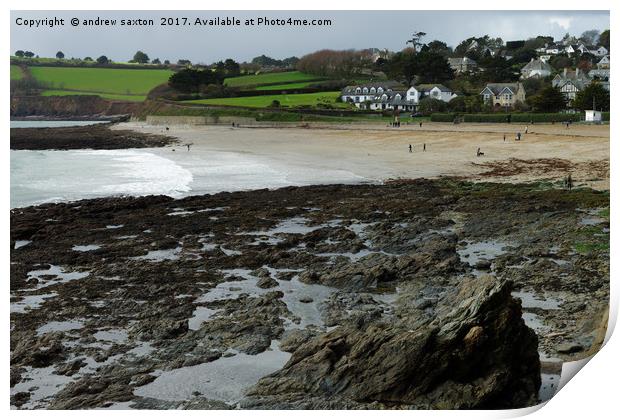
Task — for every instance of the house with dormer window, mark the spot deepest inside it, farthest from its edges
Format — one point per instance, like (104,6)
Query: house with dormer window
(503,94)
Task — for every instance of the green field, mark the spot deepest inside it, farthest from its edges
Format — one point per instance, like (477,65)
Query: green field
(16,72)
(300,99)
(133,98)
(267,78)
(100,80)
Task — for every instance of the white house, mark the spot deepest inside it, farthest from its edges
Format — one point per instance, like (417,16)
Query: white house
(358,94)
(599,51)
(536,68)
(570,83)
(387,95)
(462,64)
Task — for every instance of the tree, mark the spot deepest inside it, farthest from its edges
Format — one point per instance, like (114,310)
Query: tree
(231,67)
(603,39)
(429,105)
(156,61)
(167,62)
(19,53)
(438,47)
(192,80)
(593,96)
(590,37)
(433,67)
(549,99)
(88,59)
(140,57)
(102,60)
(183,62)
(416,40)
(28,54)
(60,55)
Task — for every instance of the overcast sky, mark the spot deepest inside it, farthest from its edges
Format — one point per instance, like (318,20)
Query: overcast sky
(349,29)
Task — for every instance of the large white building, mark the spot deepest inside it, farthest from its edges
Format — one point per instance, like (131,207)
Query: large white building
(390,95)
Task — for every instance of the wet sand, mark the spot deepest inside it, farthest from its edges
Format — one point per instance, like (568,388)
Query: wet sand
(378,153)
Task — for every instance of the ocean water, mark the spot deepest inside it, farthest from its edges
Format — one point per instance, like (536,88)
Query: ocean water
(44,124)
(43,176)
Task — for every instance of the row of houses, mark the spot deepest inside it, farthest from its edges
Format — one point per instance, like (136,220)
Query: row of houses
(390,95)
(557,48)
(539,67)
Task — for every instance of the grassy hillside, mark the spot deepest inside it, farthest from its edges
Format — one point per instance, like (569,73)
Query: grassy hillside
(133,98)
(298,85)
(100,80)
(16,72)
(311,99)
(270,78)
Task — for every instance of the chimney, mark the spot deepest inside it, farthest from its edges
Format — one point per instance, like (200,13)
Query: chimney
(576,71)
(565,71)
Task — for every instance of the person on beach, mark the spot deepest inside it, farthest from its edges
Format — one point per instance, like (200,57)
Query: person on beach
(569,182)
(410,149)
(518,136)
(420,124)
(188,146)
(424,150)
(479,153)
(526,128)
(504,136)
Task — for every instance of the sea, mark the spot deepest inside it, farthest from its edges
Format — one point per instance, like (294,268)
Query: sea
(44,176)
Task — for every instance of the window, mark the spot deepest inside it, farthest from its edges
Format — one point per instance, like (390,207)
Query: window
(380,90)
(357,99)
(365,90)
(358,90)
(373,90)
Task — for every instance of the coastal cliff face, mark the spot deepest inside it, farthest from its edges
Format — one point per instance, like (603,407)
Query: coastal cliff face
(71,106)
(475,352)
(331,296)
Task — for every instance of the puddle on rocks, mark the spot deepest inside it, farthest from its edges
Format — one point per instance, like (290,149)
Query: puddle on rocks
(305,313)
(113,335)
(55,326)
(19,244)
(474,252)
(530,300)
(200,315)
(224,379)
(61,276)
(85,248)
(161,255)
(549,386)
(42,384)
(30,302)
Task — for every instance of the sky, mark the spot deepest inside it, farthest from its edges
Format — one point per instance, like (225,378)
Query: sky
(348,29)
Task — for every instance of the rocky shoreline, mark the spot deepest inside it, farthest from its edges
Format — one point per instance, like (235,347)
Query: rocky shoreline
(97,136)
(413,294)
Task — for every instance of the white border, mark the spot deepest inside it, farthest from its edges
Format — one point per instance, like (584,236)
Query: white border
(592,394)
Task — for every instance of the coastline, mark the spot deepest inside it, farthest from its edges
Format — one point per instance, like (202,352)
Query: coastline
(398,251)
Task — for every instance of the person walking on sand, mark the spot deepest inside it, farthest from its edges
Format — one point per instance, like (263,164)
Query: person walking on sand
(410,149)
(420,124)
(526,128)
(569,182)
(504,136)
(188,146)
(424,150)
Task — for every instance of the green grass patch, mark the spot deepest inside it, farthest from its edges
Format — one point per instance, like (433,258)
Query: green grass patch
(270,78)
(301,99)
(133,98)
(100,80)
(16,72)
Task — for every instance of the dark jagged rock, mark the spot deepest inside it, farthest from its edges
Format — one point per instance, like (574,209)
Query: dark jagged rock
(477,353)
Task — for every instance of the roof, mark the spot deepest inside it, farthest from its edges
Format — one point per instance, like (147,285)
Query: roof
(429,86)
(387,84)
(497,88)
(537,64)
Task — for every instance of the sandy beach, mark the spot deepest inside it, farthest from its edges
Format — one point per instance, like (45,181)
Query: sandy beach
(378,153)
